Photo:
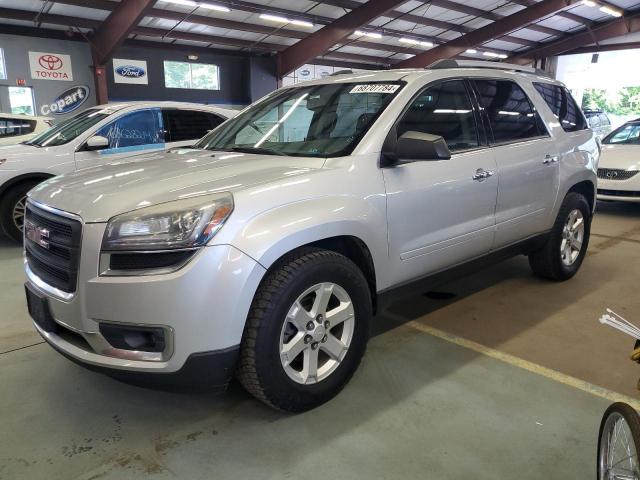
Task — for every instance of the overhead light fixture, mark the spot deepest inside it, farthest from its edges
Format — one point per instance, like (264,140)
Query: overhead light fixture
(589,3)
(360,33)
(494,55)
(471,50)
(279,19)
(413,41)
(208,6)
(610,11)
(192,57)
(302,23)
(217,8)
(186,3)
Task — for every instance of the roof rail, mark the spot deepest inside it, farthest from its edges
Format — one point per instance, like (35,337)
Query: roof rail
(451,63)
(341,72)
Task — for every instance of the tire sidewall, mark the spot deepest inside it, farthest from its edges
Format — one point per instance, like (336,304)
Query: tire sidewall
(278,384)
(9,200)
(572,202)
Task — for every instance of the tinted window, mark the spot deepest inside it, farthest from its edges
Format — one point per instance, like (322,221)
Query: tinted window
(11,127)
(188,124)
(143,127)
(604,120)
(563,106)
(628,133)
(594,121)
(510,112)
(444,110)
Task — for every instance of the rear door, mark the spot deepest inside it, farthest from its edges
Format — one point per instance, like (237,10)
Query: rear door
(129,134)
(526,158)
(183,127)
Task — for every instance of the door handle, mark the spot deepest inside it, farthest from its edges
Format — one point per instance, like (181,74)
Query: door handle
(482,174)
(549,159)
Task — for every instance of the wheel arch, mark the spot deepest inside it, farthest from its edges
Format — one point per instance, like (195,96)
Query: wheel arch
(25,177)
(588,189)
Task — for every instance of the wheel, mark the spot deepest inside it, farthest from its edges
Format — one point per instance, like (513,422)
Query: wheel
(307,330)
(12,208)
(562,254)
(618,442)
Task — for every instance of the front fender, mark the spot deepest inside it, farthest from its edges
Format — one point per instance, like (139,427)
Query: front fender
(273,233)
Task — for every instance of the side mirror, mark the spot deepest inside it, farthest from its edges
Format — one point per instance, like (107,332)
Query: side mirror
(417,146)
(97,143)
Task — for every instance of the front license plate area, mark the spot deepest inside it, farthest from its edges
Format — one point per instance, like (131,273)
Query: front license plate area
(39,310)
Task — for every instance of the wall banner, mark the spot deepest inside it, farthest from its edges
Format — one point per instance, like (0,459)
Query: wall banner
(130,71)
(50,66)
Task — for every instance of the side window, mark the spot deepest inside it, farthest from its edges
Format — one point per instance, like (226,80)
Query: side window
(134,129)
(563,106)
(594,121)
(444,110)
(182,125)
(510,112)
(11,127)
(604,120)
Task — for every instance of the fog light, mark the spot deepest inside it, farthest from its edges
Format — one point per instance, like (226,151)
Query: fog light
(145,339)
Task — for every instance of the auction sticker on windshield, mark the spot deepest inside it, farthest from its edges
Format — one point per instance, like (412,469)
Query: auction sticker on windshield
(375,88)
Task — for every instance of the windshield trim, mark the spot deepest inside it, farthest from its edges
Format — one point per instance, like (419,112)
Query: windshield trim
(347,150)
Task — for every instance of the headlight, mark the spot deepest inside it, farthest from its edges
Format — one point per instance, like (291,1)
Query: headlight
(187,223)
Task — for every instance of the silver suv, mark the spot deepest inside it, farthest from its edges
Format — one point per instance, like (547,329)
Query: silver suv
(266,249)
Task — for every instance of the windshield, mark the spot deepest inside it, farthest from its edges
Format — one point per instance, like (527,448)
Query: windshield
(69,129)
(628,134)
(319,120)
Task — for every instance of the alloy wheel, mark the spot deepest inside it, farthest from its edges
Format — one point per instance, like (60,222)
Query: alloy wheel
(572,237)
(317,333)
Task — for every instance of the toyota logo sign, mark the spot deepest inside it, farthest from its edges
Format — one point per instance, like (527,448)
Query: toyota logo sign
(50,62)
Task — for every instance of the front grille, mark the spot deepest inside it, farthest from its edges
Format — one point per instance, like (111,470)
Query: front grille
(52,247)
(615,174)
(618,193)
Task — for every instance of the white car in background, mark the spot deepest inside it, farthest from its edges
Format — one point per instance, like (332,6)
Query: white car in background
(619,168)
(98,135)
(18,128)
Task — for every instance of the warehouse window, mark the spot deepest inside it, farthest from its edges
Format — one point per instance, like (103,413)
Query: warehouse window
(198,76)
(3,69)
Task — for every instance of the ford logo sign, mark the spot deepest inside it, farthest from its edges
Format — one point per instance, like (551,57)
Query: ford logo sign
(67,101)
(130,71)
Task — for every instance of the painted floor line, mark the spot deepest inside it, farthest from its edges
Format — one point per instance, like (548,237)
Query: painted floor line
(526,365)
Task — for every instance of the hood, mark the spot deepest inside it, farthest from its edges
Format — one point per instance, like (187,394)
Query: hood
(625,157)
(99,193)
(16,156)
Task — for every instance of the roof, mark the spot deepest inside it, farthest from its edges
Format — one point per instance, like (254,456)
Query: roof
(116,106)
(271,26)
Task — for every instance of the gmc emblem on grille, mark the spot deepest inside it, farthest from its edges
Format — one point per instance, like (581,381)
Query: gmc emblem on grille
(36,234)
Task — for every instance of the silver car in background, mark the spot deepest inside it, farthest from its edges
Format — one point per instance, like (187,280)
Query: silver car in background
(266,249)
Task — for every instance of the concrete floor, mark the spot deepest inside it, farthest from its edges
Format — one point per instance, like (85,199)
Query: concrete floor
(418,404)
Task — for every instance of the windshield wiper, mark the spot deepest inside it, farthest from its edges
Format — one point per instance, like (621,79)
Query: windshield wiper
(265,151)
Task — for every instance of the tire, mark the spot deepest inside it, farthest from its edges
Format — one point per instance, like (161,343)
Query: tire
(608,459)
(261,367)
(549,261)
(8,203)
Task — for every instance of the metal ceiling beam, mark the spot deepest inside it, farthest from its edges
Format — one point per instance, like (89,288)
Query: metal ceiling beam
(596,33)
(450,5)
(567,15)
(540,10)
(319,42)
(117,26)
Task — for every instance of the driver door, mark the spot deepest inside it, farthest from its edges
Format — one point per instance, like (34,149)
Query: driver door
(440,212)
(132,133)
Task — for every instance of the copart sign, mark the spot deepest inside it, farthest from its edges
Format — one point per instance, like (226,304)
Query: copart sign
(50,66)
(67,101)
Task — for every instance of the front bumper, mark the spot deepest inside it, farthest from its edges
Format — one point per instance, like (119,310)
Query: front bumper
(620,190)
(201,308)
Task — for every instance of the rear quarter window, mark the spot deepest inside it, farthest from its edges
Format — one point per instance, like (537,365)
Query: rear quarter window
(563,106)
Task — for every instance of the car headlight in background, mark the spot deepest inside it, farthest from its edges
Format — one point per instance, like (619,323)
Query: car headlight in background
(181,224)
